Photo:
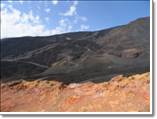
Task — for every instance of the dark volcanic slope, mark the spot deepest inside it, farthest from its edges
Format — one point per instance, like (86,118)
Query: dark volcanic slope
(80,56)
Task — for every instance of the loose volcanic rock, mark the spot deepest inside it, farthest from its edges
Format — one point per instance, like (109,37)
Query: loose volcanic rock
(120,94)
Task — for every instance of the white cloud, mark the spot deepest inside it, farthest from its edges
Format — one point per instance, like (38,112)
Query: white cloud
(84,27)
(72,10)
(47,10)
(21,1)
(2,5)
(73,13)
(75,2)
(54,2)
(16,24)
(64,25)
(79,18)
(10,1)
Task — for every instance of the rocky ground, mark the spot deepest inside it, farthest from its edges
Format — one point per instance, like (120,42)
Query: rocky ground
(120,94)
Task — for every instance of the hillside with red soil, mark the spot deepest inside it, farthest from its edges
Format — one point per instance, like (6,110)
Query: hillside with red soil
(120,94)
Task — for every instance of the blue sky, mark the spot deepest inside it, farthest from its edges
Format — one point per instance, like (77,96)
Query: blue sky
(38,18)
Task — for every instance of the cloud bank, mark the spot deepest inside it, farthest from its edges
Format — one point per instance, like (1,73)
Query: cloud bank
(15,23)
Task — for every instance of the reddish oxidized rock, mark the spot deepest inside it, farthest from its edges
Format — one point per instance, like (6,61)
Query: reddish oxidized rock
(121,94)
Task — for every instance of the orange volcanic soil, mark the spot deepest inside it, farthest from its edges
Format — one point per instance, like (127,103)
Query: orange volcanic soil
(120,94)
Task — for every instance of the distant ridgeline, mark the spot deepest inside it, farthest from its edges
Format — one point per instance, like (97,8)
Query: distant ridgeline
(79,56)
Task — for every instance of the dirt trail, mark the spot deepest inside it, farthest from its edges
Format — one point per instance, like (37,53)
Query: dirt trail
(120,94)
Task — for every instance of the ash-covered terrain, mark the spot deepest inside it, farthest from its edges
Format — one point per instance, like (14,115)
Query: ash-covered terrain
(77,57)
